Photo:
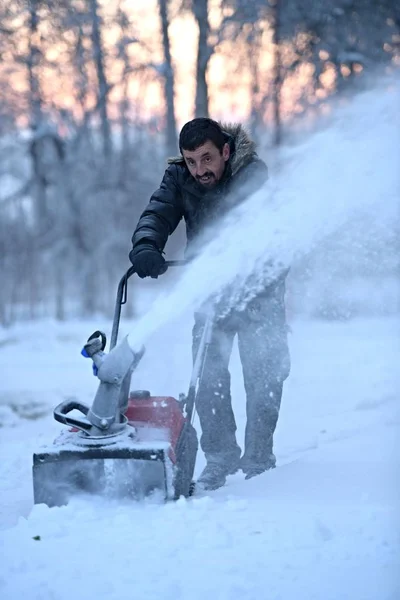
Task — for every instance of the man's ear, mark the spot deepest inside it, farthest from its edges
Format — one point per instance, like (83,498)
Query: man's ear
(226,151)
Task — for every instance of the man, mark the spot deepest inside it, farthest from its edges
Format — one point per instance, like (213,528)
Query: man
(217,169)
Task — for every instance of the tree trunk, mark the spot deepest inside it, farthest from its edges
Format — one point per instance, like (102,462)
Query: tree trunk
(256,106)
(33,62)
(101,78)
(124,160)
(82,80)
(277,78)
(200,11)
(171,138)
(36,111)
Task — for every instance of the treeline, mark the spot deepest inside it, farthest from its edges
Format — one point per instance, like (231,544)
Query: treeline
(80,148)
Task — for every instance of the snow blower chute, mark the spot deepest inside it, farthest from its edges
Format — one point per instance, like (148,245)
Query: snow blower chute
(129,444)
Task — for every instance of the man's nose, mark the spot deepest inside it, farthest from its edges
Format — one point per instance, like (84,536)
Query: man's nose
(200,170)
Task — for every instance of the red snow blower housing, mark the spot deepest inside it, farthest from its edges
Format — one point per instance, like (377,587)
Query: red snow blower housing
(129,444)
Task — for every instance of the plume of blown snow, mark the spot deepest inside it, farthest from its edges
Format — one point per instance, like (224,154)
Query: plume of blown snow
(342,174)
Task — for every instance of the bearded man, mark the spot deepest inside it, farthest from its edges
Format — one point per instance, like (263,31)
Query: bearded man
(218,168)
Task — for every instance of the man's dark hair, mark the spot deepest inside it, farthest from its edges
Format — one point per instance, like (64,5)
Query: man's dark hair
(200,130)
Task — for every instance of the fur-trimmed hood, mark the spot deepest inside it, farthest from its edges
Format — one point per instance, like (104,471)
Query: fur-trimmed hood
(243,148)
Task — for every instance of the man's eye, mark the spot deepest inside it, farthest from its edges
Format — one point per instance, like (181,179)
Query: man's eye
(208,159)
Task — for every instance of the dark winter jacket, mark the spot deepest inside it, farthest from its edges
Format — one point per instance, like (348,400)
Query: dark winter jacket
(180,196)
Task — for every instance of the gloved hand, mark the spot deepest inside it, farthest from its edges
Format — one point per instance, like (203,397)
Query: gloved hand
(147,261)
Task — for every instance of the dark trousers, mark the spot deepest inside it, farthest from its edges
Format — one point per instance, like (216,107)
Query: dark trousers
(262,340)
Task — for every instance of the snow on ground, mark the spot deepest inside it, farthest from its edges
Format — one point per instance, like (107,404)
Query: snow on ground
(324,525)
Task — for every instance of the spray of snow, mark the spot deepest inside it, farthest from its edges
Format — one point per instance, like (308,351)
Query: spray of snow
(346,173)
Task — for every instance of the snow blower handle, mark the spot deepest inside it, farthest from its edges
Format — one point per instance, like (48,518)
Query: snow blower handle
(62,410)
(198,366)
(122,295)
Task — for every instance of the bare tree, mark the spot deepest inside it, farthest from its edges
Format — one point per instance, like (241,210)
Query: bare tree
(33,61)
(126,40)
(169,85)
(103,90)
(204,53)
(277,77)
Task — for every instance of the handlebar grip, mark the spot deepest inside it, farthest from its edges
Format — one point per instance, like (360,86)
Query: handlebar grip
(64,408)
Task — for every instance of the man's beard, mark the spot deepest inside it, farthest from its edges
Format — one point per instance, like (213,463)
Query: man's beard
(208,180)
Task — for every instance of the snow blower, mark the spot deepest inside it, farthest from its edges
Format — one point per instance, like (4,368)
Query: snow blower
(129,444)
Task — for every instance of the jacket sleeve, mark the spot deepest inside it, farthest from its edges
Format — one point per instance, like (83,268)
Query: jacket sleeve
(161,216)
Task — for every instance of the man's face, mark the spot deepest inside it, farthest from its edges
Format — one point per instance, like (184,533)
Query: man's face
(206,164)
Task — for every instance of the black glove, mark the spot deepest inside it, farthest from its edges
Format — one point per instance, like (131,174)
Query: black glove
(147,261)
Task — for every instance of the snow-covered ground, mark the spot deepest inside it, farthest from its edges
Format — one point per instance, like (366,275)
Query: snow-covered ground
(324,525)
